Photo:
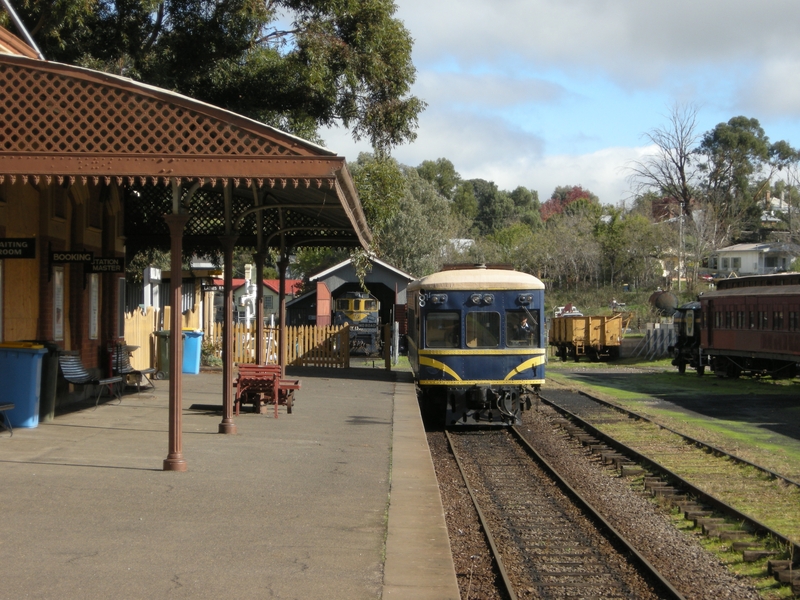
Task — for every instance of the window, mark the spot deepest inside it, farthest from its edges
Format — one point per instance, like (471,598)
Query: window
(94,304)
(121,307)
(777,319)
(751,319)
(763,319)
(717,319)
(736,263)
(268,300)
(522,329)
(725,263)
(370,305)
(740,319)
(771,262)
(793,321)
(343,304)
(442,330)
(728,319)
(58,304)
(483,329)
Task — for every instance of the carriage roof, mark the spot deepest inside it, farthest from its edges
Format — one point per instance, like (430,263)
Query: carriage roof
(477,279)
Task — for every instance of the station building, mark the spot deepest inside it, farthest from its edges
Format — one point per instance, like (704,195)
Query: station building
(94,167)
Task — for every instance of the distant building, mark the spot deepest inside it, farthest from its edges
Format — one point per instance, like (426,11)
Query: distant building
(754,259)
(271,297)
(387,283)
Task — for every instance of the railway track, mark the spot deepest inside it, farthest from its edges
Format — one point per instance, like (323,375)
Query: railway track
(547,541)
(751,507)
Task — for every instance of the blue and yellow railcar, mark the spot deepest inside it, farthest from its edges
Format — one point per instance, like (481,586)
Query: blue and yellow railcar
(476,343)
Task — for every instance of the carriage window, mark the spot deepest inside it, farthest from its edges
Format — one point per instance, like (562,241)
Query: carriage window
(740,319)
(777,319)
(793,321)
(483,329)
(752,320)
(441,330)
(370,305)
(522,329)
(343,304)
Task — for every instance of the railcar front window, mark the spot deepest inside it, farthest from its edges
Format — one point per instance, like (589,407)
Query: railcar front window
(483,330)
(370,305)
(441,330)
(522,329)
(342,304)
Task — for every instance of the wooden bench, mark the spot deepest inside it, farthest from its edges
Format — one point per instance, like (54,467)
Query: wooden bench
(74,372)
(259,383)
(121,365)
(5,422)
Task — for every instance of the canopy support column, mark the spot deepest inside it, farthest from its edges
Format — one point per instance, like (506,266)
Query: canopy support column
(227,425)
(175,460)
(258,257)
(282,266)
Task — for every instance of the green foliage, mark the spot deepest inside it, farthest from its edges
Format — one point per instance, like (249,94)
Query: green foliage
(442,174)
(465,203)
(347,61)
(379,182)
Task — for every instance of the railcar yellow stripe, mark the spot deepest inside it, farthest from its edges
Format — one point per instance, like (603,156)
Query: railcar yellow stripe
(536,360)
(481,382)
(439,365)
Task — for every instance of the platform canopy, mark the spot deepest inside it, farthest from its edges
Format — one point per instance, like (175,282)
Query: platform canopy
(168,153)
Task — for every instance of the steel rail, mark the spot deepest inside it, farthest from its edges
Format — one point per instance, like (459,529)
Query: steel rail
(509,588)
(757,526)
(611,533)
(689,438)
(587,507)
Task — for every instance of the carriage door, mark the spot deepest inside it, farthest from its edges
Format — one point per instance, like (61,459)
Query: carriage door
(710,323)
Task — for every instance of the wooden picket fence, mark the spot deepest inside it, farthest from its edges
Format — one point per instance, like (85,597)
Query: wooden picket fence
(306,345)
(139,329)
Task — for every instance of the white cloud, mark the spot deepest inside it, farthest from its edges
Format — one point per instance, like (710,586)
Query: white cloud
(542,93)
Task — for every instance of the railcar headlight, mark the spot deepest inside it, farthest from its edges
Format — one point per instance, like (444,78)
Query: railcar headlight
(439,298)
(525,299)
(475,298)
(488,299)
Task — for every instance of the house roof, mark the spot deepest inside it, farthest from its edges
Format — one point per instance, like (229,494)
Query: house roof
(763,247)
(344,263)
(291,286)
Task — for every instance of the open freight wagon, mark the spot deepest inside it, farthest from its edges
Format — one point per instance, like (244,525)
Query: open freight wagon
(595,337)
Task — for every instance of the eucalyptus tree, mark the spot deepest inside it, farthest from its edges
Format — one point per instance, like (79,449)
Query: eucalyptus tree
(738,162)
(442,174)
(294,64)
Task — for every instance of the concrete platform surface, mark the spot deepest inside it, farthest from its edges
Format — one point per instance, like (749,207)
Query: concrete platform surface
(337,500)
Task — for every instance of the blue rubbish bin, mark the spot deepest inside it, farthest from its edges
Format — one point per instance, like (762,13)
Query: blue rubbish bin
(192,344)
(21,374)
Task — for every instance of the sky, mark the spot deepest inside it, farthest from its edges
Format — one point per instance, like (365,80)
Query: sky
(547,93)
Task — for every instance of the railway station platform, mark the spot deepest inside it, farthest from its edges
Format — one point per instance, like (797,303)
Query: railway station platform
(337,500)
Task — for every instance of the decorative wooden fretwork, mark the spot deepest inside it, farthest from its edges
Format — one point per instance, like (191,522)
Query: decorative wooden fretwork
(145,206)
(46,112)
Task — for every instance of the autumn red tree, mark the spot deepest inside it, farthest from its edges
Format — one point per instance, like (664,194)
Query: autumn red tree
(562,197)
